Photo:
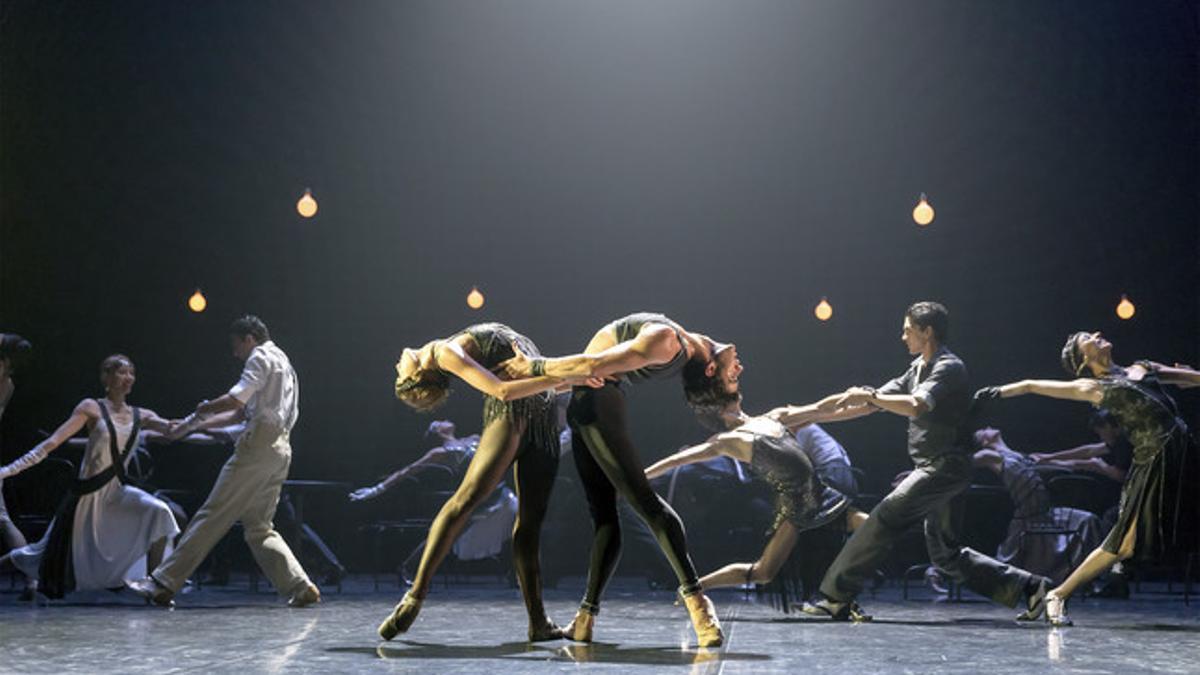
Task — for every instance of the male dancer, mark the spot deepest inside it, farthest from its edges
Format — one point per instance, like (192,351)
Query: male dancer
(267,397)
(634,349)
(934,396)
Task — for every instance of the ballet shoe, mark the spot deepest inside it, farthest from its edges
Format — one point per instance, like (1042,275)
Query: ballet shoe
(1056,611)
(1035,603)
(704,620)
(402,617)
(580,628)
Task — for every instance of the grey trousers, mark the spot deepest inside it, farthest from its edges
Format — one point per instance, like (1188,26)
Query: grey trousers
(925,494)
(247,490)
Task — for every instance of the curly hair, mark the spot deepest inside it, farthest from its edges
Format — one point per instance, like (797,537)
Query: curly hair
(424,391)
(701,390)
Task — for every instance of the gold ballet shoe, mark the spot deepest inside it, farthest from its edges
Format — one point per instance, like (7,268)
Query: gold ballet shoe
(580,628)
(1056,611)
(704,620)
(402,617)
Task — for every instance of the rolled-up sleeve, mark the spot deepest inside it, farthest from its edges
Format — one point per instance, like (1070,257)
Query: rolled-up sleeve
(947,375)
(254,376)
(897,385)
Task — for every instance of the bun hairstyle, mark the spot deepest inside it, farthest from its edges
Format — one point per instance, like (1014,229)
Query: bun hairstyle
(1072,358)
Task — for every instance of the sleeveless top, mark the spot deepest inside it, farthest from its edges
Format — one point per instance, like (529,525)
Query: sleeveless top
(494,342)
(800,497)
(627,328)
(1146,413)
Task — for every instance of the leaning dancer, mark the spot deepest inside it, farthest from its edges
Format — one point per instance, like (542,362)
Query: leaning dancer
(802,501)
(933,395)
(1157,511)
(247,489)
(519,430)
(104,525)
(635,349)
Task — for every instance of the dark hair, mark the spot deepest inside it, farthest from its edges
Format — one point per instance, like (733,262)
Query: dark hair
(930,315)
(701,390)
(425,391)
(1072,359)
(250,325)
(112,363)
(13,348)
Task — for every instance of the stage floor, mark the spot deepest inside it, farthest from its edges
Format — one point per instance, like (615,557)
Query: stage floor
(478,628)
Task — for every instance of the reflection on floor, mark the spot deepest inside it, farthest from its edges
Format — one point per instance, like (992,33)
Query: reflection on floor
(476,629)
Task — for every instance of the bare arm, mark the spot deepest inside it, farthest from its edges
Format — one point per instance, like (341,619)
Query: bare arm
(453,359)
(826,410)
(435,457)
(728,443)
(1179,375)
(1079,452)
(1091,465)
(655,344)
(1084,389)
(86,410)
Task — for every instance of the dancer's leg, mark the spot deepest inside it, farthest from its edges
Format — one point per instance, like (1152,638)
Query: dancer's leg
(497,448)
(1096,563)
(534,474)
(763,570)
(602,504)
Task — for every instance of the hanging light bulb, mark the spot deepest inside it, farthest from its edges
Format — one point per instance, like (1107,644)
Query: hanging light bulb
(1125,308)
(474,298)
(307,206)
(923,212)
(823,310)
(197,303)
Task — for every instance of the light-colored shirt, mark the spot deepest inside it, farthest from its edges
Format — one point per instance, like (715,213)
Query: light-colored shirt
(269,388)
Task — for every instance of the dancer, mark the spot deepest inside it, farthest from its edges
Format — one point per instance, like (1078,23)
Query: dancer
(519,430)
(104,526)
(1157,509)
(802,501)
(933,395)
(247,489)
(450,455)
(13,348)
(634,349)
(1110,458)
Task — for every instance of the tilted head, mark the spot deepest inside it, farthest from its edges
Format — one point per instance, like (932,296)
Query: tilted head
(419,383)
(710,380)
(1084,350)
(247,333)
(117,374)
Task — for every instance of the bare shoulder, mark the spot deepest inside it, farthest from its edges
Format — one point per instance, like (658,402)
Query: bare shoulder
(88,407)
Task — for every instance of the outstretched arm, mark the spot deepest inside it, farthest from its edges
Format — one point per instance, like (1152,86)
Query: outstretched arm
(826,410)
(453,359)
(728,443)
(1179,375)
(655,344)
(1079,452)
(1084,389)
(79,417)
(435,457)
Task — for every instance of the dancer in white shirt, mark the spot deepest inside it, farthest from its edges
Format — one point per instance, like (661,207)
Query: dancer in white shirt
(267,397)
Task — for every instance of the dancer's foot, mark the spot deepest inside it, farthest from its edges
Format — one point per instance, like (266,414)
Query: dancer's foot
(544,631)
(153,592)
(1035,601)
(1056,610)
(402,617)
(836,611)
(309,594)
(580,628)
(704,620)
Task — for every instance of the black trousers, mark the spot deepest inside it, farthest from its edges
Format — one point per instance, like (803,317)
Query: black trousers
(609,465)
(926,494)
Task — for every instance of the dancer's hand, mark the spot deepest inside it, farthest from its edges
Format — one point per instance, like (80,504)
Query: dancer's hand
(363,494)
(854,396)
(518,367)
(987,394)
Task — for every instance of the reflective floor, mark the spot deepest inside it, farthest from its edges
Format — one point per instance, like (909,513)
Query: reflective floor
(481,628)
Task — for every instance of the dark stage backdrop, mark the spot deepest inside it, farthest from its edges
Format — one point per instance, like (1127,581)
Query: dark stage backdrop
(728,163)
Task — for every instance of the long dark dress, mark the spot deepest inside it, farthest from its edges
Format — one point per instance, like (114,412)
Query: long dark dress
(1159,490)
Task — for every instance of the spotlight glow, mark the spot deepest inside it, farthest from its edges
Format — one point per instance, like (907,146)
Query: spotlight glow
(474,298)
(197,303)
(923,212)
(823,310)
(1125,308)
(307,206)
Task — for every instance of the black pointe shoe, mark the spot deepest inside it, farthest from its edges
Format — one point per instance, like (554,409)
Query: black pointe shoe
(401,618)
(1035,603)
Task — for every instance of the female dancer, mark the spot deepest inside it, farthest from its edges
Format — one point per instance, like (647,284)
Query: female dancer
(519,430)
(1155,506)
(12,349)
(104,526)
(633,349)
(802,502)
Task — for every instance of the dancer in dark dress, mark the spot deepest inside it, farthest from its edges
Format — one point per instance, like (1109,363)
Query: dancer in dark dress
(933,395)
(519,430)
(632,350)
(802,501)
(1158,508)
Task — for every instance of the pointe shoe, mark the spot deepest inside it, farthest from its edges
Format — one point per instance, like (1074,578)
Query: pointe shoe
(704,620)
(580,628)
(308,595)
(402,617)
(1056,611)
